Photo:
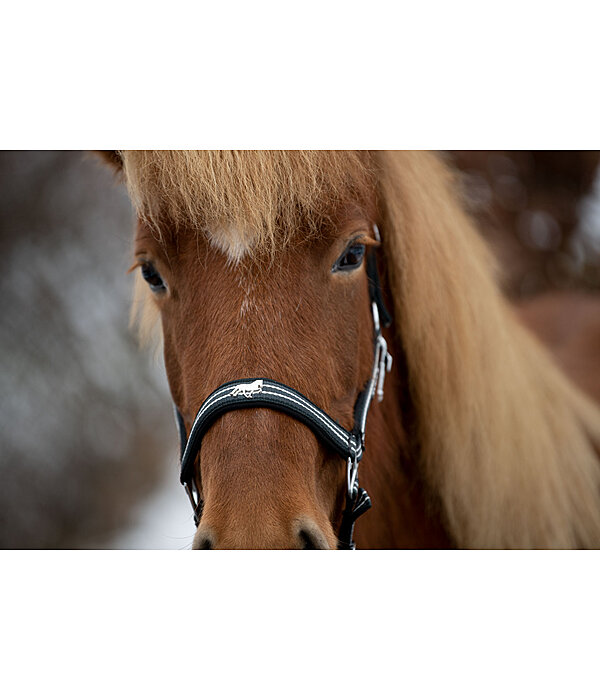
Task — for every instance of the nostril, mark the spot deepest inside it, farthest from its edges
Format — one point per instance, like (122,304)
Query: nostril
(307,540)
(311,537)
(205,538)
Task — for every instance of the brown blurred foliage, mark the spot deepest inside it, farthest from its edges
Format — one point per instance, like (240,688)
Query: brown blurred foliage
(539,211)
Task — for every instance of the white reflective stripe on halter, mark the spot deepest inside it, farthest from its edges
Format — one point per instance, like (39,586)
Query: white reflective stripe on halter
(262,392)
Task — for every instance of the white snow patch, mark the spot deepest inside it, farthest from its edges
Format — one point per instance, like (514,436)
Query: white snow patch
(162,521)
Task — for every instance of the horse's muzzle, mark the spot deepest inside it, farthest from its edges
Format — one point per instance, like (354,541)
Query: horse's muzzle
(303,533)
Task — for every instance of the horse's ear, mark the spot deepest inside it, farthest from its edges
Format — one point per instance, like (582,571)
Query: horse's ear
(112,158)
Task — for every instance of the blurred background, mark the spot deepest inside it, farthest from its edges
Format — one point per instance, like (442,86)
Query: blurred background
(88,453)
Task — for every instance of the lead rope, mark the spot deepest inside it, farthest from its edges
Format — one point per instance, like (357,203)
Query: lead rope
(267,393)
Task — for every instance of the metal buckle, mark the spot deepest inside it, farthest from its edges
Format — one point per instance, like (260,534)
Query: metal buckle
(383,359)
(352,478)
(384,365)
(194,501)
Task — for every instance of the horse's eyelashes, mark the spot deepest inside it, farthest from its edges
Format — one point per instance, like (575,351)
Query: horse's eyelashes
(152,277)
(351,258)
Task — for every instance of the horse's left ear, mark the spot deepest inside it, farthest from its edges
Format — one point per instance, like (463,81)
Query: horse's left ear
(113,158)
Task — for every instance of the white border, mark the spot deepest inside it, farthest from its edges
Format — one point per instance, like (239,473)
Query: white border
(270,75)
(435,75)
(281,624)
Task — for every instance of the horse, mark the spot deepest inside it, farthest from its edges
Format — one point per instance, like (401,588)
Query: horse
(254,265)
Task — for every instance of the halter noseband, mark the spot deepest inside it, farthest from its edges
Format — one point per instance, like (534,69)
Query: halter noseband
(268,393)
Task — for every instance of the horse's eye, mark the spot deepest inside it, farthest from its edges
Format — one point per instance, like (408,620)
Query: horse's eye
(151,276)
(351,258)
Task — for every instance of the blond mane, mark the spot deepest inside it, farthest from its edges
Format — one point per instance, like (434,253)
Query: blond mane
(507,442)
(510,446)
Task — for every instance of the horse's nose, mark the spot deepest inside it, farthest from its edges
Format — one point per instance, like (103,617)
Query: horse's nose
(310,535)
(204,538)
(303,534)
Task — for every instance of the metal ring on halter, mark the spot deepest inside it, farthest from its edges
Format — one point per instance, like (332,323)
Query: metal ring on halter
(194,496)
(351,478)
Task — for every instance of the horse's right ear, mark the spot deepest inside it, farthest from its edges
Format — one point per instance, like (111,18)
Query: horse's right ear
(113,158)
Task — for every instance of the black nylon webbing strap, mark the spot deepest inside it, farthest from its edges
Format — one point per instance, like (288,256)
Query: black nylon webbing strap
(375,291)
(353,510)
(182,433)
(267,393)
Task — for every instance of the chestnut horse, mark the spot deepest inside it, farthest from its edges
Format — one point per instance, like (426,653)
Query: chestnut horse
(253,266)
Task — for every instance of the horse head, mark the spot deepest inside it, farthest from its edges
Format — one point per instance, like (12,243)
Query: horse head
(264,276)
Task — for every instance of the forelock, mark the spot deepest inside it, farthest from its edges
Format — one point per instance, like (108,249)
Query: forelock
(254,201)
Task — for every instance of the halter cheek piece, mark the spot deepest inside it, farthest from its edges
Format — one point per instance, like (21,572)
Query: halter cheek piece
(268,393)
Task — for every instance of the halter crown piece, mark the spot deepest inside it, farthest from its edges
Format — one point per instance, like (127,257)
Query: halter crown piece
(267,393)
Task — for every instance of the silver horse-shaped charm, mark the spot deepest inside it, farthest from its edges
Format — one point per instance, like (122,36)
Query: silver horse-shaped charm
(248,390)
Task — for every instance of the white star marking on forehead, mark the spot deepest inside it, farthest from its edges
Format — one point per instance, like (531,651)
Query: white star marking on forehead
(231,242)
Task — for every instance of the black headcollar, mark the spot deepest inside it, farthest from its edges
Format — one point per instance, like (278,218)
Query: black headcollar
(260,392)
